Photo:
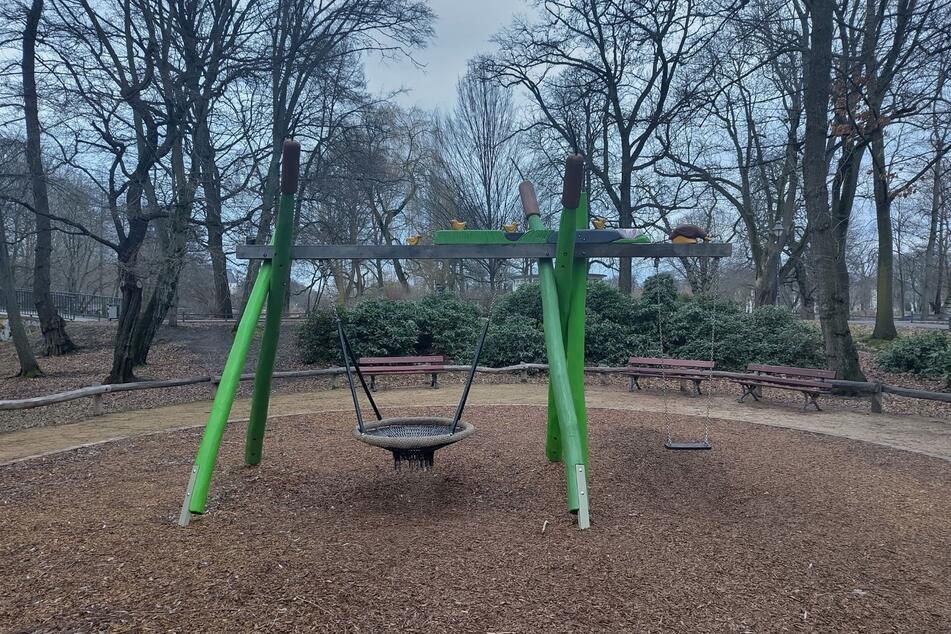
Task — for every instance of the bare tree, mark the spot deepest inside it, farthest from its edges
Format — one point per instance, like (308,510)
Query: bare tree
(303,37)
(476,162)
(829,224)
(52,325)
(634,55)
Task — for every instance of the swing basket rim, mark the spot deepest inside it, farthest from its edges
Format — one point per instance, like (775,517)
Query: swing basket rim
(463,430)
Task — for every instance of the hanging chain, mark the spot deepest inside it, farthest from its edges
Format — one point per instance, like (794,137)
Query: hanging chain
(715,294)
(663,369)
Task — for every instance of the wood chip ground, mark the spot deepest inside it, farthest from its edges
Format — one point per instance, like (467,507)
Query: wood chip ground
(774,530)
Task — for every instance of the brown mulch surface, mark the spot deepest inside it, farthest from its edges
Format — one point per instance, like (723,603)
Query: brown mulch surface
(774,530)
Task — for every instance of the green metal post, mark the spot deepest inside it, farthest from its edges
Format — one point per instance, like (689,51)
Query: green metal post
(564,269)
(574,336)
(204,465)
(558,376)
(280,277)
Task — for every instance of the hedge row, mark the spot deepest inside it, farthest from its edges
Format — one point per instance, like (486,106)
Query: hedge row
(618,326)
(927,354)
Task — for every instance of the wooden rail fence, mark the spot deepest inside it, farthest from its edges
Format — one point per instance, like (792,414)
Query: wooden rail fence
(869,390)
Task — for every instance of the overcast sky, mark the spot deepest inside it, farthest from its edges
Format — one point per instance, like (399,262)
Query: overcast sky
(463,30)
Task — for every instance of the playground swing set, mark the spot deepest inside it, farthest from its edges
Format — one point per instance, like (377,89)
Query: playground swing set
(563,272)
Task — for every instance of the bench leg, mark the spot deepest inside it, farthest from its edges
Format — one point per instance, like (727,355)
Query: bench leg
(635,384)
(435,382)
(810,399)
(683,385)
(748,390)
(373,383)
(696,388)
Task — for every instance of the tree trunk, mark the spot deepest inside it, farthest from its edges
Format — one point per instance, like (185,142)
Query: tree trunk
(130,286)
(766,284)
(929,285)
(807,301)
(625,278)
(29,368)
(884,305)
(211,186)
(175,231)
(827,236)
(55,338)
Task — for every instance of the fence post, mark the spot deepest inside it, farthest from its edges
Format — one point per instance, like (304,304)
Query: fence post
(97,404)
(876,399)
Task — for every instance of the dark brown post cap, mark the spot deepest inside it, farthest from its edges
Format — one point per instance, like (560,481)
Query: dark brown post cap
(574,181)
(290,166)
(526,191)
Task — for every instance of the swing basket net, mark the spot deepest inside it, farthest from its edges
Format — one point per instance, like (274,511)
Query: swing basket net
(413,441)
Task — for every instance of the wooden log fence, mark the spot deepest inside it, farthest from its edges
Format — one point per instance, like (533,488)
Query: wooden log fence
(869,390)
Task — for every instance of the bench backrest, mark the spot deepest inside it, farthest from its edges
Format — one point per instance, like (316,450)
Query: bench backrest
(812,373)
(670,363)
(397,361)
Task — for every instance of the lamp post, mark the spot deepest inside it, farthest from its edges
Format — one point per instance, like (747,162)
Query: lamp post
(777,232)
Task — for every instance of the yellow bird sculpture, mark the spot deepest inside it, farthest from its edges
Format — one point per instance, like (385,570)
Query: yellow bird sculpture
(413,240)
(457,225)
(599,222)
(511,227)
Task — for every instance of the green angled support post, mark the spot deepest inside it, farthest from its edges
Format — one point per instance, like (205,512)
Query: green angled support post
(280,278)
(197,492)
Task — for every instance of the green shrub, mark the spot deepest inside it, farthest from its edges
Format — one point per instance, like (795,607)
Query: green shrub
(612,344)
(617,327)
(518,339)
(525,301)
(317,338)
(382,328)
(927,353)
(771,335)
(447,325)
(607,303)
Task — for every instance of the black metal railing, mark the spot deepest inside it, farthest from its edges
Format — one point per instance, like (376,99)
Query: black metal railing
(69,305)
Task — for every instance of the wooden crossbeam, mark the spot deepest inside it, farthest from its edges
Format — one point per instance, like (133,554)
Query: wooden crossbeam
(483,251)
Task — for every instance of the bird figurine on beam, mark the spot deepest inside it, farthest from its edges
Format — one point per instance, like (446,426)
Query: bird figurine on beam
(457,225)
(511,227)
(688,234)
(413,240)
(599,222)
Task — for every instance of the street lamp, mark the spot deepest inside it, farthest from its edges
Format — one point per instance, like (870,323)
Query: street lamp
(777,232)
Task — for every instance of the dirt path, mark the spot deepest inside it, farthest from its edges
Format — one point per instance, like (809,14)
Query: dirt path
(931,437)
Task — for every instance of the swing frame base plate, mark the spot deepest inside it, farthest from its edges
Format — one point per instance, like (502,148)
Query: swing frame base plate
(701,445)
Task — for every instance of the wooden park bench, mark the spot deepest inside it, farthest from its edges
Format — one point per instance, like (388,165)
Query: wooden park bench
(810,381)
(684,369)
(431,365)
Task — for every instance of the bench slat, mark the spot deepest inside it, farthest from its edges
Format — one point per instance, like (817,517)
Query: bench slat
(789,384)
(670,374)
(436,359)
(815,373)
(677,363)
(409,369)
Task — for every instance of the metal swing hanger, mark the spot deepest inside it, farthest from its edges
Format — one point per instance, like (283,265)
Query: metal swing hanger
(348,354)
(670,443)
